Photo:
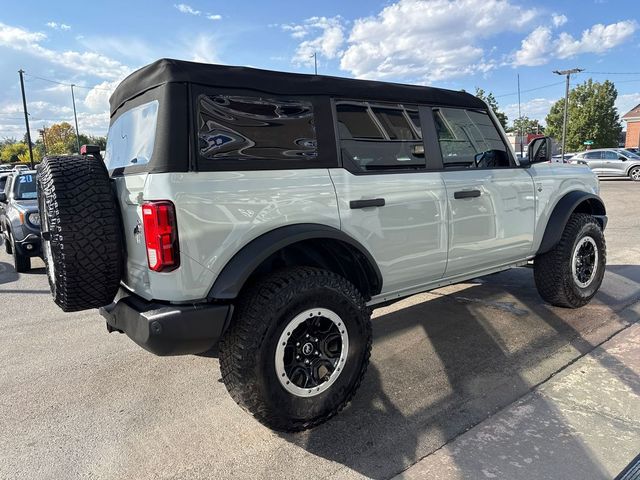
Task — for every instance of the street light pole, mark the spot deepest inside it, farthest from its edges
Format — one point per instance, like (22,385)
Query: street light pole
(75,116)
(315,62)
(566,104)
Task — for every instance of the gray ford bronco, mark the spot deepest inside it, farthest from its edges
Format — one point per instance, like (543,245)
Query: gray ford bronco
(262,215)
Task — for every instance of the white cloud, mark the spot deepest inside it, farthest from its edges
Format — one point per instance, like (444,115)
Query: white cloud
(624,103)
(58,26)
(540,45)
(184,8)
(597,39)
(430,39)
(535,48)
(97,99)
(536,108)
(328,38)
(84,62)
(559,20)
(214,17)
(203,49)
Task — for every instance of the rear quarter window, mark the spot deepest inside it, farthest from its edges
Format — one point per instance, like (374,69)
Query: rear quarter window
(256,130)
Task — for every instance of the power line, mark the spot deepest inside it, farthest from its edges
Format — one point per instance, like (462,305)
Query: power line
(613,73)
(529,90)
(66,84)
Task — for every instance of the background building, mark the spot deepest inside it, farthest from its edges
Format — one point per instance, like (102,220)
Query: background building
(633,127)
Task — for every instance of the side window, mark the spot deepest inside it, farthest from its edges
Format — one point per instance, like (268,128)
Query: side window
(592,155)
(608,155)
(469,139)
(377,137)
(254,128)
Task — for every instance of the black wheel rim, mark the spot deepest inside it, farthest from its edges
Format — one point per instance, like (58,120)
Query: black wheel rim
(585,262)
(311,352)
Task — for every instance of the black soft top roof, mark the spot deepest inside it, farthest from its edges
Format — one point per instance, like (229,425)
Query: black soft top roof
(268,81)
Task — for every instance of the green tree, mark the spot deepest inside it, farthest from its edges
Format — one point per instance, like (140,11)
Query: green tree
(61,139)
(11,152)
(592,116)
(493,103)
(526,125)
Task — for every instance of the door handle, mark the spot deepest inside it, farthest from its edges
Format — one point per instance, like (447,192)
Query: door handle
(466,194)
(373,202)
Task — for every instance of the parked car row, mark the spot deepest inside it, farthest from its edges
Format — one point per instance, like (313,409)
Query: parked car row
(19,217)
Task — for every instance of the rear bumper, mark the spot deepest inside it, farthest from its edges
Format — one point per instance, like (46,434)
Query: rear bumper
(166,329)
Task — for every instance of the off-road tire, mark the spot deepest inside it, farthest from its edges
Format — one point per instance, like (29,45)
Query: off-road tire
(634,174)
(22,263)
(79,210)
(247,350)
(552,270)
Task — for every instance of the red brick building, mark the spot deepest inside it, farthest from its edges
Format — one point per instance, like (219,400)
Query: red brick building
(633,127)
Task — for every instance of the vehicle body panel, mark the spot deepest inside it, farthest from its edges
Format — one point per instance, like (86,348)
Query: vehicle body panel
(408,235)
(217,214)
(493,228)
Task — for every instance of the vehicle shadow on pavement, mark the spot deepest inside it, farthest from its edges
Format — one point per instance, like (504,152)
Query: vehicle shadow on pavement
(454,360)
(7,273)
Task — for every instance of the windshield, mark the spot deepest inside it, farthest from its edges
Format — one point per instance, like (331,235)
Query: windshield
(629,154)
(132,136)
(25,187)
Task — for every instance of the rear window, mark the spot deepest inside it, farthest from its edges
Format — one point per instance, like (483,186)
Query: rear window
(24,187)
(132,137)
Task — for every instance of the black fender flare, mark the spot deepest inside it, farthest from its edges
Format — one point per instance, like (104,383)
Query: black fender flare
(237,271)
(563,210)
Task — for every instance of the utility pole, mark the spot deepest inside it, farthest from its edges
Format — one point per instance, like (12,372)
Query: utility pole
(315,62)
(26,117)
(43,132)
(75,116)
(566,104)
(520,118)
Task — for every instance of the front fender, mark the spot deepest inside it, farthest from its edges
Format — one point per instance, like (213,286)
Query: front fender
(576,201)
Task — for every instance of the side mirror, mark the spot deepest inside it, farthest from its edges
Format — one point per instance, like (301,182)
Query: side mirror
(620,157)
(3,197)
(539,150)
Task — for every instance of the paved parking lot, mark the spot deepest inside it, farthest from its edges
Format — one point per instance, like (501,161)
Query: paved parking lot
(76,402)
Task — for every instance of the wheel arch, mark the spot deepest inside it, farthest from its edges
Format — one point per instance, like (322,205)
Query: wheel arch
(307,244)
(572,202)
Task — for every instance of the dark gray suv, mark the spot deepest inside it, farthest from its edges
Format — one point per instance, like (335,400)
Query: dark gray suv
(611,162)
(20,220)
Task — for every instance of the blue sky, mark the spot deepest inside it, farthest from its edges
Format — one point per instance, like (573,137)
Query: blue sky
(451,44)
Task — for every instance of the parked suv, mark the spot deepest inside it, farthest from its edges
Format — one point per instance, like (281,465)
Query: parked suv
(265,214)
(19,218)
(610,162)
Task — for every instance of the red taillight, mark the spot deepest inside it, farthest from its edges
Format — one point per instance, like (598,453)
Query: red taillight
(161,235)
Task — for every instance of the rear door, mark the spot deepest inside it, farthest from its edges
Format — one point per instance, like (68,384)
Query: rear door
(130,143)
(490,200)
(389,198)
(594,161)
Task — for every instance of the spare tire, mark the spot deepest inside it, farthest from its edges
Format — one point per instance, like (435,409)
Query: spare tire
(81,231)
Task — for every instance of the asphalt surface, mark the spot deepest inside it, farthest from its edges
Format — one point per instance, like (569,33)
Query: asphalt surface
(77,402)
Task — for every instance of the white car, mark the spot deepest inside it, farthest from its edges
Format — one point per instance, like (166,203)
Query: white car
(267,213)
